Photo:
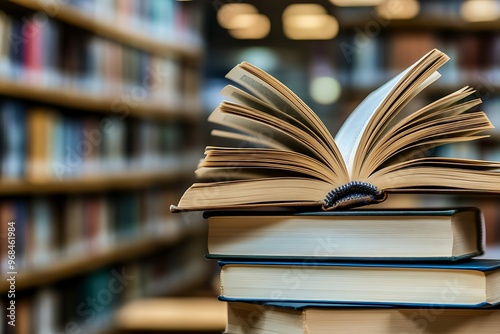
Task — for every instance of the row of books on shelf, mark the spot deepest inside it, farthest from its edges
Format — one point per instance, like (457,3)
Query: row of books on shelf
(168,21)
(47,54)
(88,303)
(49,229)
(370,62)
(42,144)
(428,10)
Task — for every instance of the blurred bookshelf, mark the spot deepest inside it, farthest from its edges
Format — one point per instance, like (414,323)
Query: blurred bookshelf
(100,119)
(97,104)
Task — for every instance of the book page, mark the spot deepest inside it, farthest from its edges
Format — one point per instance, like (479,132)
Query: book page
(373,114)
(424,129)
(349,135)
(274,93)
(267,131)
(265,160)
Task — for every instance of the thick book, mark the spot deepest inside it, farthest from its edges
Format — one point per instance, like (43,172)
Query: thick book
(293,160)
(474,283)
(444,234)
(294,318)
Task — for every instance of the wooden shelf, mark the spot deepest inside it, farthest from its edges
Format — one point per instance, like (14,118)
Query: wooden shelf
(74,266)
(96,183)
(99,26)
(424,22)
(194,314)
(434,89)
(88,102)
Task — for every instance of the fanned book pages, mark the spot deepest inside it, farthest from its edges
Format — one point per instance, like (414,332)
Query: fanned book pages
(297,162)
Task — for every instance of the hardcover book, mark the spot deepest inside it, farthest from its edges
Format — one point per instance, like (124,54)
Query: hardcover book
(446,234)
(295,318)
(378,149)
(474,283)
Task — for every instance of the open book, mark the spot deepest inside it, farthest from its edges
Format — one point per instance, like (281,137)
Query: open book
(295,161)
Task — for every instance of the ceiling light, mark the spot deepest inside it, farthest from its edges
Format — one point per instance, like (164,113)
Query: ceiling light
(235,15)
(353,3)
(309,21)
(259,28)
(399,9)
(479,10)
(303,9)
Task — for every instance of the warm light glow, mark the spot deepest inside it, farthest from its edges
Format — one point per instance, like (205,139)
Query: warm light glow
(325,90)
(243,21)
(303,9)
(479,10)
(353,3)
(260,28)
(236,15)
(399,9)
(309,21)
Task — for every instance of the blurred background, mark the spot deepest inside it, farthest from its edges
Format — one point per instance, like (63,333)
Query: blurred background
(103,108)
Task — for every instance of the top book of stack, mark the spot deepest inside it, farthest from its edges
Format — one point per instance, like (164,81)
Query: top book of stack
(297,162)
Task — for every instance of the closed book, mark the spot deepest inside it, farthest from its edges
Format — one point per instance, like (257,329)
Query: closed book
(295,318)
(474,283)
(433,234)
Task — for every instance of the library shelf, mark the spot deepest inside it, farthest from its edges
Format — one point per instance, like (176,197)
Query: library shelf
(98,183)
(123,251)
(112,105)
(194,314)
(124,35)
(425,22)
(483,88)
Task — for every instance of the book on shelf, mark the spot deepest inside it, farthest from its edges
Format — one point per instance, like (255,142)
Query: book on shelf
(54,229)
(41,144)
(295,318)
(89,66)
(473,283)
(374,235)
(378,149)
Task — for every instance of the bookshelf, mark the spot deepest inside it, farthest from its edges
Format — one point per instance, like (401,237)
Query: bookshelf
(68,69)
(97,104)
(429,22)
(96,184)
(121,252)
(124,35)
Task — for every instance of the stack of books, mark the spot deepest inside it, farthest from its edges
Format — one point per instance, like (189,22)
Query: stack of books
(358,271)
(297,256)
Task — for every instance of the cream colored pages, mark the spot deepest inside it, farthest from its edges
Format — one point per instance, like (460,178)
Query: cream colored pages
(373,113)
(280,97)
(349,135)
